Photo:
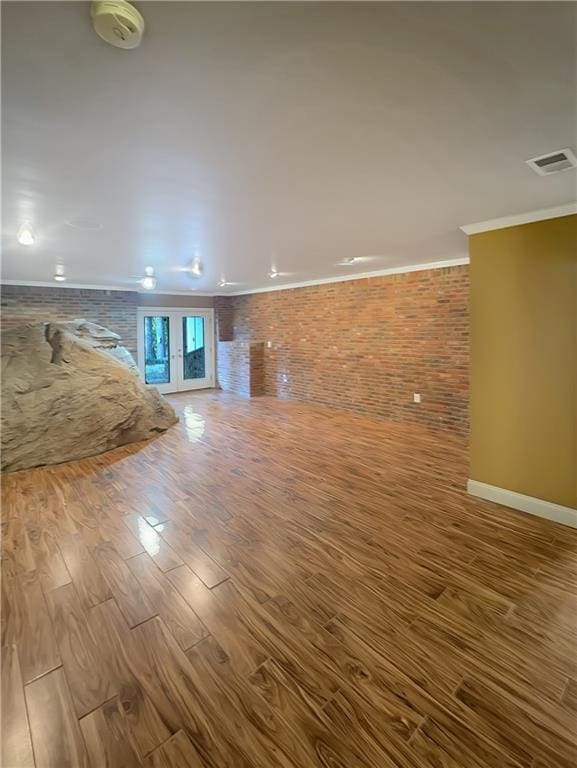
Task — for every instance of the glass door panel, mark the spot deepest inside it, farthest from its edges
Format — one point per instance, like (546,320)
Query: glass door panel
(193,350)
(156,350)
(196,363)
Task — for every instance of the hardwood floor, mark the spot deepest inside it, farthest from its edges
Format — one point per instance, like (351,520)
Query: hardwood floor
(274,584)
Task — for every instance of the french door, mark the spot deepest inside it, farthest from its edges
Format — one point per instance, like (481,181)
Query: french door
(176,348)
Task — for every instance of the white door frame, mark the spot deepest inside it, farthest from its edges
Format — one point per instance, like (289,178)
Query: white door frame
(175,314)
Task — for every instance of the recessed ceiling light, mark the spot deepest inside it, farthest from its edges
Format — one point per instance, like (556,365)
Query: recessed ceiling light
(26,235)
(149,281)
(59,275)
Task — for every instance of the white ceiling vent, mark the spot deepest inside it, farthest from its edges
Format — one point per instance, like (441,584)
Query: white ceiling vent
(553,162)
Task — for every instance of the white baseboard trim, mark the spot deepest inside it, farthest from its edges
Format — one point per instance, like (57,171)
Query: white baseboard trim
(539,507)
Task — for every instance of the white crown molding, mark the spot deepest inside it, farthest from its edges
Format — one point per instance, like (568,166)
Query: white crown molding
(265,289)
(538,507)
(91,287)
(359,276)
(176,293)
(520,218)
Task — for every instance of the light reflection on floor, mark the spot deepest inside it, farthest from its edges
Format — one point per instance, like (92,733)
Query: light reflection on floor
(149,538)
(194,424)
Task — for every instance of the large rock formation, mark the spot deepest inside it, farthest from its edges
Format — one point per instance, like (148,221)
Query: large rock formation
(70,390)
(99,337)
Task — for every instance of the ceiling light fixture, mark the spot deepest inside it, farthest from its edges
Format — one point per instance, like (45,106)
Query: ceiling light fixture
(149,281)
(350,260)
(26,235)
(195,268)
(222,283)
(59,275)
(273,273)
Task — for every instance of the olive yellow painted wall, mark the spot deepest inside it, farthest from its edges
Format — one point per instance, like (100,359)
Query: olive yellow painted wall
(524,359)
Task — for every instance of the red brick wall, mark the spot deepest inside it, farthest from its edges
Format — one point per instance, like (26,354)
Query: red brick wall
(364,345)
(114,309)
(241,367)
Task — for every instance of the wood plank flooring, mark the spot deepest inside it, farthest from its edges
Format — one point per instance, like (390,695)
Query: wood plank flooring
(277,584)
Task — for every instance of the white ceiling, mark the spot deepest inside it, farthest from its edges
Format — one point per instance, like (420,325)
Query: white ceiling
(277,134)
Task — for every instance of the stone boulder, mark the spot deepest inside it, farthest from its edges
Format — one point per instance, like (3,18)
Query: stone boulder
(68,391)
(99,337)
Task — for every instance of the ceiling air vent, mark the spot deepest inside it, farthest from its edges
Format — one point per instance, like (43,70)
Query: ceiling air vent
(553,162)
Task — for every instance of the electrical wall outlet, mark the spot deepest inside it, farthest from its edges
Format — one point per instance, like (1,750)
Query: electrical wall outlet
(416,397)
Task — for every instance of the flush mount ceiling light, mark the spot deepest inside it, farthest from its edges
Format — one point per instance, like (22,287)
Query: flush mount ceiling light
(59,275)
(118,23)
(356,260)
(224,283)
(149,281)
(25,235)
(195,269)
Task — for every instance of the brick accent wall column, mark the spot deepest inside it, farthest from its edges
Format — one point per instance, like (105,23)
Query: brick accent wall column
(224,316)
(241,367)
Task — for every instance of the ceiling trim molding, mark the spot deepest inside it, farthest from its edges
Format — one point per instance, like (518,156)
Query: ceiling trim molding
(359,276)
(519,218)
(461,261)
(90,287)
